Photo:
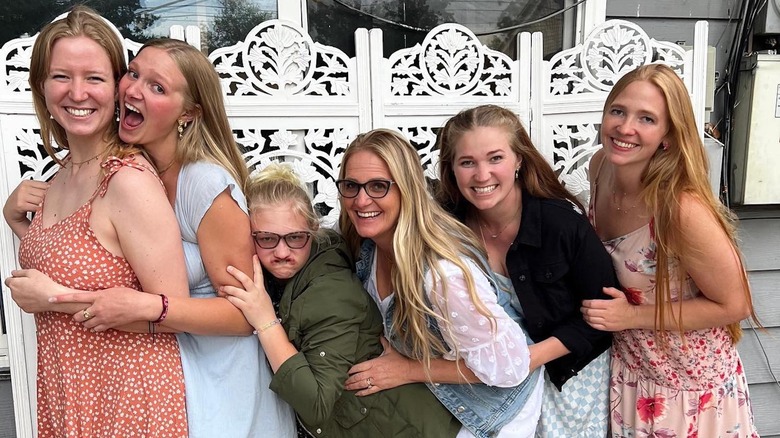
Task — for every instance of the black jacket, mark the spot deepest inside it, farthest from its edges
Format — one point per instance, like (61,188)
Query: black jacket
(555,262)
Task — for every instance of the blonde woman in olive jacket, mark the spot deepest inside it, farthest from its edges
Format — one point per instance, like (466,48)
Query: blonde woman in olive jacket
(323,323)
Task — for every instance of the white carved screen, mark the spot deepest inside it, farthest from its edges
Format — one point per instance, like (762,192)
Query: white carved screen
(569,90)
(293,100)
(416,90)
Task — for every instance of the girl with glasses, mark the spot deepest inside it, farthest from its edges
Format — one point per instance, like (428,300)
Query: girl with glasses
(171,103)
(446,324)
(315,321)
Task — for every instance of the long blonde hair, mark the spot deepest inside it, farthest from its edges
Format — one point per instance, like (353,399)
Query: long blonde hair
(681,167)
(424,235)
(81,21)
(208,137)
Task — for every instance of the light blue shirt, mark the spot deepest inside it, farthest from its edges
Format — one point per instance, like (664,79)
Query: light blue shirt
(226,377)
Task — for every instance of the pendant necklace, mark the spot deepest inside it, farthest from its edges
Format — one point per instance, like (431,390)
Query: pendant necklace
(495,236)
(618,205)
(79,163)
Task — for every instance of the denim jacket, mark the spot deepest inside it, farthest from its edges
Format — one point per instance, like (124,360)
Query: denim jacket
(482,409)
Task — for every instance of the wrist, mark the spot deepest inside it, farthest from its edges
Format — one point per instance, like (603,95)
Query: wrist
(152,307)
(263,328)
(164,311)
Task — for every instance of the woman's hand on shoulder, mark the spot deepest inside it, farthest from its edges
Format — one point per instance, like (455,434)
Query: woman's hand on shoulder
(27,197)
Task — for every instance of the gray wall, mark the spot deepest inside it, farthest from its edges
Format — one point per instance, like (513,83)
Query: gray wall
(760,235)
(674,20)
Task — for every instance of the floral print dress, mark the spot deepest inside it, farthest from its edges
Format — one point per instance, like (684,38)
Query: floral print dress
(693,387)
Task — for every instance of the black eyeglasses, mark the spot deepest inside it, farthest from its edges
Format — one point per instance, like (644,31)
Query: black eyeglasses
(268,240)
(374,188)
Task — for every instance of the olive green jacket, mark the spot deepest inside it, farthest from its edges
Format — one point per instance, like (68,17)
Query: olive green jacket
(334,324)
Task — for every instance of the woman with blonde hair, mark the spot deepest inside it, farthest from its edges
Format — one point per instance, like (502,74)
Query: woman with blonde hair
(315,321)
(172,106)
(446,323)
(544,253)
(102,221)
(675,366)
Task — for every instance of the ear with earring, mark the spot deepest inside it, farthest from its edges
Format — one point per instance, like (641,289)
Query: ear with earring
(181,127)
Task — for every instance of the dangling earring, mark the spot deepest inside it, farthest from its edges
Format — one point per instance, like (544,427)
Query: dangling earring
(665,145)
(180,128)
(116,111)
(517,172)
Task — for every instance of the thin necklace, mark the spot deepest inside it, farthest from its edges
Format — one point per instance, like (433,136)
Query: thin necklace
(164,169)
(618,204)
(495,236)
(79,163)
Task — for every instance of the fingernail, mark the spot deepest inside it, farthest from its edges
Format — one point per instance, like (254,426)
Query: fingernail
(52,299)
(230,268)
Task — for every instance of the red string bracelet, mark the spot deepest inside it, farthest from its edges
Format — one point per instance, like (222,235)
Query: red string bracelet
(164,312)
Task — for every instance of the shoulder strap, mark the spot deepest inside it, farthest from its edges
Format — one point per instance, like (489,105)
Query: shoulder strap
(598,174)
(111,166)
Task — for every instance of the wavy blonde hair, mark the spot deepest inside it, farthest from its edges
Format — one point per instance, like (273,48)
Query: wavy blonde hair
(680,168)
(208,137)
(277,184)
(425,234)
(81,21)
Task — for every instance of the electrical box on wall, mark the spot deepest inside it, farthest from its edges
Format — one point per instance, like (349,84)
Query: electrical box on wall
(755,139)
(768,19)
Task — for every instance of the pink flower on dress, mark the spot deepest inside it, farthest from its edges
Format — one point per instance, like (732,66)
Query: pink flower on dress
(706,401)
(693,430)
(633,295)
(651,408)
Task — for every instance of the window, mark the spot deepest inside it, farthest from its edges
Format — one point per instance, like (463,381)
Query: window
(406,22)
(222,22)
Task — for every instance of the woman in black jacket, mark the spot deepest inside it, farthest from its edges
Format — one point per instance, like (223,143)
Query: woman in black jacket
(542,249)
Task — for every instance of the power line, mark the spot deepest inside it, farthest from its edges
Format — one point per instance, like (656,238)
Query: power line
(491,32)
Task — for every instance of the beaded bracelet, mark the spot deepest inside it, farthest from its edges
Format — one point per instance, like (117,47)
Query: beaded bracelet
(267,326)
(164,312)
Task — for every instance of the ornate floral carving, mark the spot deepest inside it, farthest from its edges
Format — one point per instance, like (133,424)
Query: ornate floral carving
(612,50)
(34,162)
(451,61)
(15,56)
(314,154)
(574,145)
(279,58)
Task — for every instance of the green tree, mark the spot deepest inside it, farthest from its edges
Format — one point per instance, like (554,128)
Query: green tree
(28,16)
(235,20)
